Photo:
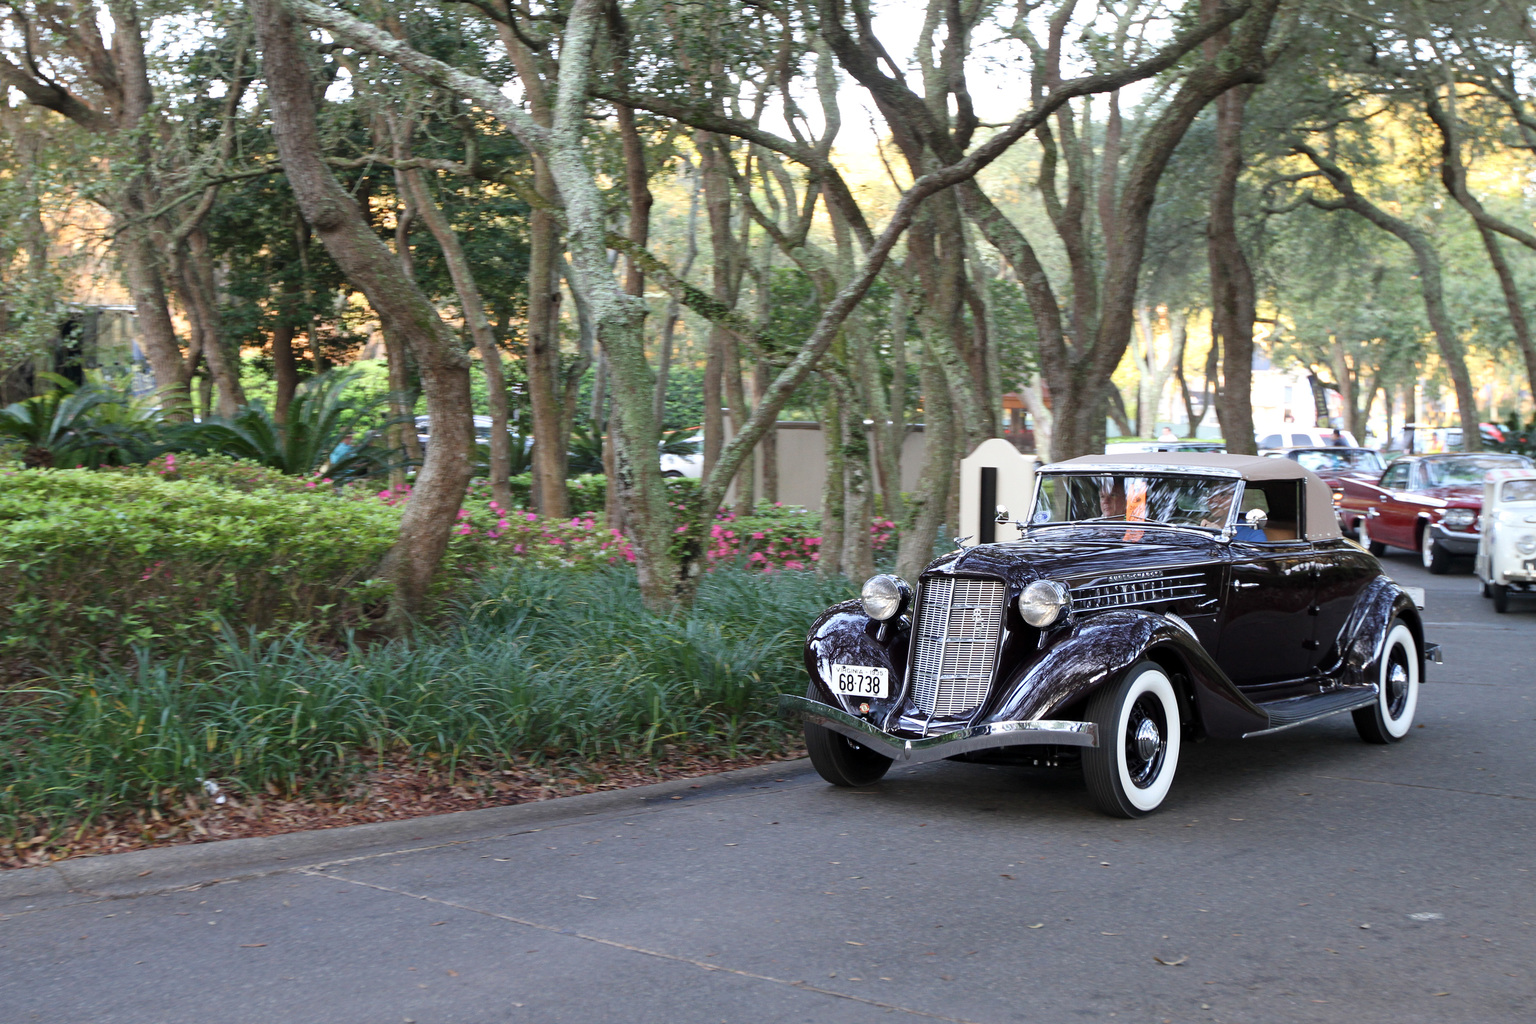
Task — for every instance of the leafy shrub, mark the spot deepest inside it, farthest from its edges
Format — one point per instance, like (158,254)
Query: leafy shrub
(310,438)
(540,664)
(89,424)
(783,537)
(94,562)
(588,493)
(223,470)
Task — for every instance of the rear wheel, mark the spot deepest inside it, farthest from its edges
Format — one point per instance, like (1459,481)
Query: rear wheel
(1435,557)
(1131,770)
(1375,547)
(1397,679)
(1500,598)
(839,759)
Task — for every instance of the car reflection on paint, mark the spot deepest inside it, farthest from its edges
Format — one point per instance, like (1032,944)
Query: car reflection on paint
(1150,600)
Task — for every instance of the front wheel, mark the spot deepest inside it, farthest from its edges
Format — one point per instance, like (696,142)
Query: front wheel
(1500,598)
(1375,547)
(839,759)
(1435,558)
(1131,770)
(1391,716)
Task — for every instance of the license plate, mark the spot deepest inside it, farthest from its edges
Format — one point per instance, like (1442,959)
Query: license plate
(861,681)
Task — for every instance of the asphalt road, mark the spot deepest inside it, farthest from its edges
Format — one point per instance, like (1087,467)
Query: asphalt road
(1305,876)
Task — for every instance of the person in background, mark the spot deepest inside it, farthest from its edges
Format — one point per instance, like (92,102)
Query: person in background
(343,449)
(1167,435)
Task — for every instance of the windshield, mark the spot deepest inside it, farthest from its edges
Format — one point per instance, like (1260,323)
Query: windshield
(1356,460)
(1520,490)
(1170,500)
(1468,469)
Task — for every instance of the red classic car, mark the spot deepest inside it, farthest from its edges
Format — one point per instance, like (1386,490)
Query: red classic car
(1425,503)
(1334,465)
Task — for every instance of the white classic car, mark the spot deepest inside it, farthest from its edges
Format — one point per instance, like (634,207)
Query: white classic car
(1506,551)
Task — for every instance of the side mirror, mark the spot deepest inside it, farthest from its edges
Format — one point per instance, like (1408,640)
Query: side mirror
(1002,514)
(1256,518)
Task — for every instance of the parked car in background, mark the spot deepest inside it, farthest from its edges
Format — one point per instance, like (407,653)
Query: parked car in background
(1306,437)
(1150,600)
(482,429)
(682,456)
(1425,503)
(1506,551)
(1179,445)
(1333,465)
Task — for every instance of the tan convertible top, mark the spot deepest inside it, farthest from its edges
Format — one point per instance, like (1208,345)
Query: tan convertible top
(1317,499)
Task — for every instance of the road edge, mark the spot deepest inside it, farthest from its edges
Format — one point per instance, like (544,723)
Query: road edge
(142,872)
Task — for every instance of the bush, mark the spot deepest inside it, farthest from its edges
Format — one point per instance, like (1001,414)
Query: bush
(588,493)
(539,664)
(223,470)
(96,562)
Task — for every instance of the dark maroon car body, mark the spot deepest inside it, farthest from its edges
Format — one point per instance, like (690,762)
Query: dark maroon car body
(1427,503)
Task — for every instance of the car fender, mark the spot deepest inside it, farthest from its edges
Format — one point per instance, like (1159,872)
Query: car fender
(1091,651)
(1364,632)
(844,635)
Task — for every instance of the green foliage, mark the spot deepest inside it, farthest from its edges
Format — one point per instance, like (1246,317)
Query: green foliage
(588,492)
(539,664)
(1017,340)
(86,425)
(309,439)
(94,561)
(222,470)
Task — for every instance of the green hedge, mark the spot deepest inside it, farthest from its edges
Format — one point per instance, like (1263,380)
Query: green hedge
(91,563)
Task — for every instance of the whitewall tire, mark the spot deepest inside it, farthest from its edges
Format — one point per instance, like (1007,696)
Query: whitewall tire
(1397,680)
(1140,731)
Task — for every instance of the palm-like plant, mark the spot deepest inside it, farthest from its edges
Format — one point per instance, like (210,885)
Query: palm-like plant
(303,442)
(82,425)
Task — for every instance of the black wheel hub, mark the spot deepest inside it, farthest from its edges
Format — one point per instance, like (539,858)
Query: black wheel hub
(1397,682)
(1146,740)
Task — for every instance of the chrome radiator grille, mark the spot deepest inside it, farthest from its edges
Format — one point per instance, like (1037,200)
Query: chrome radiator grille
(955,643)
(1098,594)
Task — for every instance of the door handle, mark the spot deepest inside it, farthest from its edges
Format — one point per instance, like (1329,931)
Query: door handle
(1240,583)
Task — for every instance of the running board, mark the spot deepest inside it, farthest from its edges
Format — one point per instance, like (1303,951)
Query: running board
(1286,714)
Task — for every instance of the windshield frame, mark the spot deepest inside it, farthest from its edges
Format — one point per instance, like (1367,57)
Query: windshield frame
(1223,533)
(1505,461)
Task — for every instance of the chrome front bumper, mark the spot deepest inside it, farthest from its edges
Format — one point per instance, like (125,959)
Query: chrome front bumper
(936,748)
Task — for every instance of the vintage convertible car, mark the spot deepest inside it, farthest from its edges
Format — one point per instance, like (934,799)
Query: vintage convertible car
(1149,600)
(1425,503)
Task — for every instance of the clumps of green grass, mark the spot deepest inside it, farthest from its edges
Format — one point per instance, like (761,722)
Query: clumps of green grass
(536,665)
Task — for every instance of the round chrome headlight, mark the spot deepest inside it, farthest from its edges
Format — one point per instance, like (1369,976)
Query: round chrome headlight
(1458,518)
(883,596)
(1043,602)
(1526,545)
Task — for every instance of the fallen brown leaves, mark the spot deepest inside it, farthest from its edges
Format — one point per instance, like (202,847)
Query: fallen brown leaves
(395,791)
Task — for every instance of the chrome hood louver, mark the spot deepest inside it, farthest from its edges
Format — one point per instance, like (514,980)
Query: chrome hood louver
(1130,590)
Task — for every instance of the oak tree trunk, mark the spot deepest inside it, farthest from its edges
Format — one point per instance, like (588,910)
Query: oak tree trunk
(400,305)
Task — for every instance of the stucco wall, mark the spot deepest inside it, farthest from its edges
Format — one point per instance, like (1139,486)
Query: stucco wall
(803,463)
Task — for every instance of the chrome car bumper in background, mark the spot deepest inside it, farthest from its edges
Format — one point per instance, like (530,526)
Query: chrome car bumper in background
(1456,542)
(936,748)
